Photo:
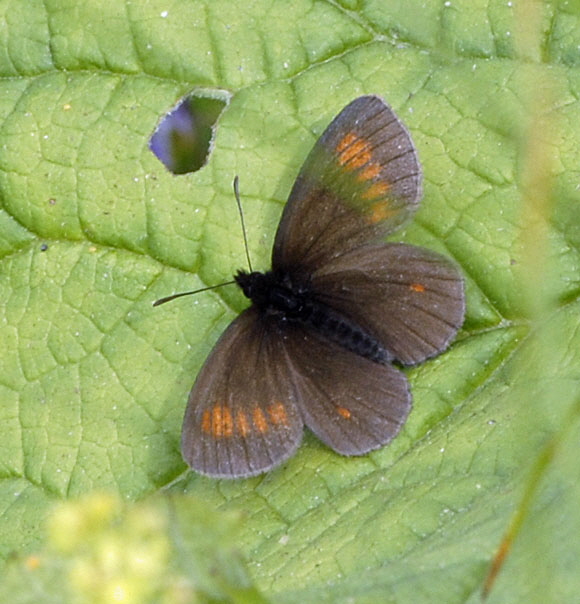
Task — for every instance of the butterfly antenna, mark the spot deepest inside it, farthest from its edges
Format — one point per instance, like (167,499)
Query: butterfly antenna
(237,194)
(195,291)
(205,289)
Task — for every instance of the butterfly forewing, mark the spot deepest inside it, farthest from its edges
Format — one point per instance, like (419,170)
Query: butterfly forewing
(361,180)
(410,298)
(242,418)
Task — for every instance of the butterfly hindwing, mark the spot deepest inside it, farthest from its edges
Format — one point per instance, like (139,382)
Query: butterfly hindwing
(352,404)
(242,418)
(361,180)
(410,298)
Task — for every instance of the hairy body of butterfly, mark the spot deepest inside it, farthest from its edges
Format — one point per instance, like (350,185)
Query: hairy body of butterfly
(276,293)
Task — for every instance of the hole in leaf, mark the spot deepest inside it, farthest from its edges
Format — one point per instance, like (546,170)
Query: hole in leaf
(184,136)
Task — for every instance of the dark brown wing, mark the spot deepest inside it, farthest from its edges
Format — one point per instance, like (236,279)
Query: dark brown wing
(410,298)
(361,180)
(242,417)
(352,404)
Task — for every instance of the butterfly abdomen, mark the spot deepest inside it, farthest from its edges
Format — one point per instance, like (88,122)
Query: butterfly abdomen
(274,293)
(343,332)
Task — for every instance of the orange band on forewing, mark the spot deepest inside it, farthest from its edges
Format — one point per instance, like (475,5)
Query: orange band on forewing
(216,420)
(370,171)
(227,422)
(206,421)
(376,190)
(353,152)
(242,423)
(259,419)
(277,413)
(417,287)
(346,141)
(380,211)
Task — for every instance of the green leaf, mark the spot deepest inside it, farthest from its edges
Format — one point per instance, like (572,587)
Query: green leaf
(93,229)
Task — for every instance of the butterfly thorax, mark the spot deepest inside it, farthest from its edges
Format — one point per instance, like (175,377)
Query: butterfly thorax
(275,293)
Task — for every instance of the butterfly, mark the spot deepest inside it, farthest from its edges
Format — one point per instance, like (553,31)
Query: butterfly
(317,344)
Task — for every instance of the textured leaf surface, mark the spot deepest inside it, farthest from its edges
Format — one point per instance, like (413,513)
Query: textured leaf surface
(93,380)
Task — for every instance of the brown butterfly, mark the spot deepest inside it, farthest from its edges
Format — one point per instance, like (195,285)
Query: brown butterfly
(339,305)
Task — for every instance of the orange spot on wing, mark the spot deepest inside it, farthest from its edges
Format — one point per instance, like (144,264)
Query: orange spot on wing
(377,189)
(259,419)
(417,287)
(344,412)
(380,211)
(206,421)
(369,172)
(277,413)
(227,422)
(353,152)
(242,423)
(218,421)
(346,141)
